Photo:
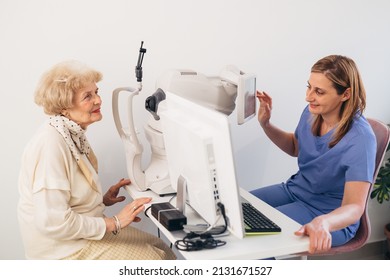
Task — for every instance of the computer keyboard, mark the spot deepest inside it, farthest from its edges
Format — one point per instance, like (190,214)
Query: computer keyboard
(256,222)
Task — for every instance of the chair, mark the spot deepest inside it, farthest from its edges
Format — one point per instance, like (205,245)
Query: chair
(382,134)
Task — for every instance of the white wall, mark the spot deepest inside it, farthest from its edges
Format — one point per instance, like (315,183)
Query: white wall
(277,40)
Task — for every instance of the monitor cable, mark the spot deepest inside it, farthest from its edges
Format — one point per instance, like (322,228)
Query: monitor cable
(205,240)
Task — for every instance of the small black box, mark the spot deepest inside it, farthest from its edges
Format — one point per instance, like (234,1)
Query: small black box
(171,218)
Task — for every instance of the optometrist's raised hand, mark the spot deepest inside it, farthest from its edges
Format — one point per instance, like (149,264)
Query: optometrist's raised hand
(264,113)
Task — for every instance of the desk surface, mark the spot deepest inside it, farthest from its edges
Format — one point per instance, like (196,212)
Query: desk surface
(250,247)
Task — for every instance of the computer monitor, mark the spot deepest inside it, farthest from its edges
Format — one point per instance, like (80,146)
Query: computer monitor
(199,149)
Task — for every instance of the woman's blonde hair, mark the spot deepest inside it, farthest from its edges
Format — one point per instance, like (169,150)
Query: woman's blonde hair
(57,86)
(343,73)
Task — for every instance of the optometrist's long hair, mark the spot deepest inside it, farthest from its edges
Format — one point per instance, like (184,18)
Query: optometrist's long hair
(344,74)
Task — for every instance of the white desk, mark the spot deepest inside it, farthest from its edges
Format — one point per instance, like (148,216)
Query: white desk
(250,247)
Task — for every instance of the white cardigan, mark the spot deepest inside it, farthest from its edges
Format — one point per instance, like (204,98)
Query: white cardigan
(58,211)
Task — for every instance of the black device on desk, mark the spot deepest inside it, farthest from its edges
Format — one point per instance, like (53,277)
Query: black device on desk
(171,218)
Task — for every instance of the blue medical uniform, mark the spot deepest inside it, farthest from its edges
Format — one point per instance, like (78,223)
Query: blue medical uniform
(318,186)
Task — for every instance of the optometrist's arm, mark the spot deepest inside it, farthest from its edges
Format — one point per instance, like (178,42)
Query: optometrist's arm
(350,211)
(286,141)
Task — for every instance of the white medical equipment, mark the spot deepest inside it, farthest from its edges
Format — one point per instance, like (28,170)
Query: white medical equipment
(156,176)
(231,89)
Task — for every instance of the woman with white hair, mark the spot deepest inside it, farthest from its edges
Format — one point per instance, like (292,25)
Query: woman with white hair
(61,202)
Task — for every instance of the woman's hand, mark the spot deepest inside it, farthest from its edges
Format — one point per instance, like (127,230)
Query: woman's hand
(130,212)
(111,197)
(264,114)
(319,234)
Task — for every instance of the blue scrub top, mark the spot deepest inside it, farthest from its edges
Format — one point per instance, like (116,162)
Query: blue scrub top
(323,171)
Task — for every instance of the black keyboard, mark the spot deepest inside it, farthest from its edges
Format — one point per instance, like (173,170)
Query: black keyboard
(256,222)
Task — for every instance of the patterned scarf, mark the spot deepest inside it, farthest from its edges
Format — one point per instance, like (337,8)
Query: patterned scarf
(77,142)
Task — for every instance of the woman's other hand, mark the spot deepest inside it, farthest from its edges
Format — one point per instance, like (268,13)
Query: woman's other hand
(111,197)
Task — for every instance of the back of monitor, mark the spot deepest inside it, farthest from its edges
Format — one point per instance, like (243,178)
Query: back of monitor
(198,146)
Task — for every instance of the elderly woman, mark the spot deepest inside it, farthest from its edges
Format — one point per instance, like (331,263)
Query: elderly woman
(61,202)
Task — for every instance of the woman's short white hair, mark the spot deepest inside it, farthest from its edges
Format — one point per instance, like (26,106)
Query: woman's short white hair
(58,85)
